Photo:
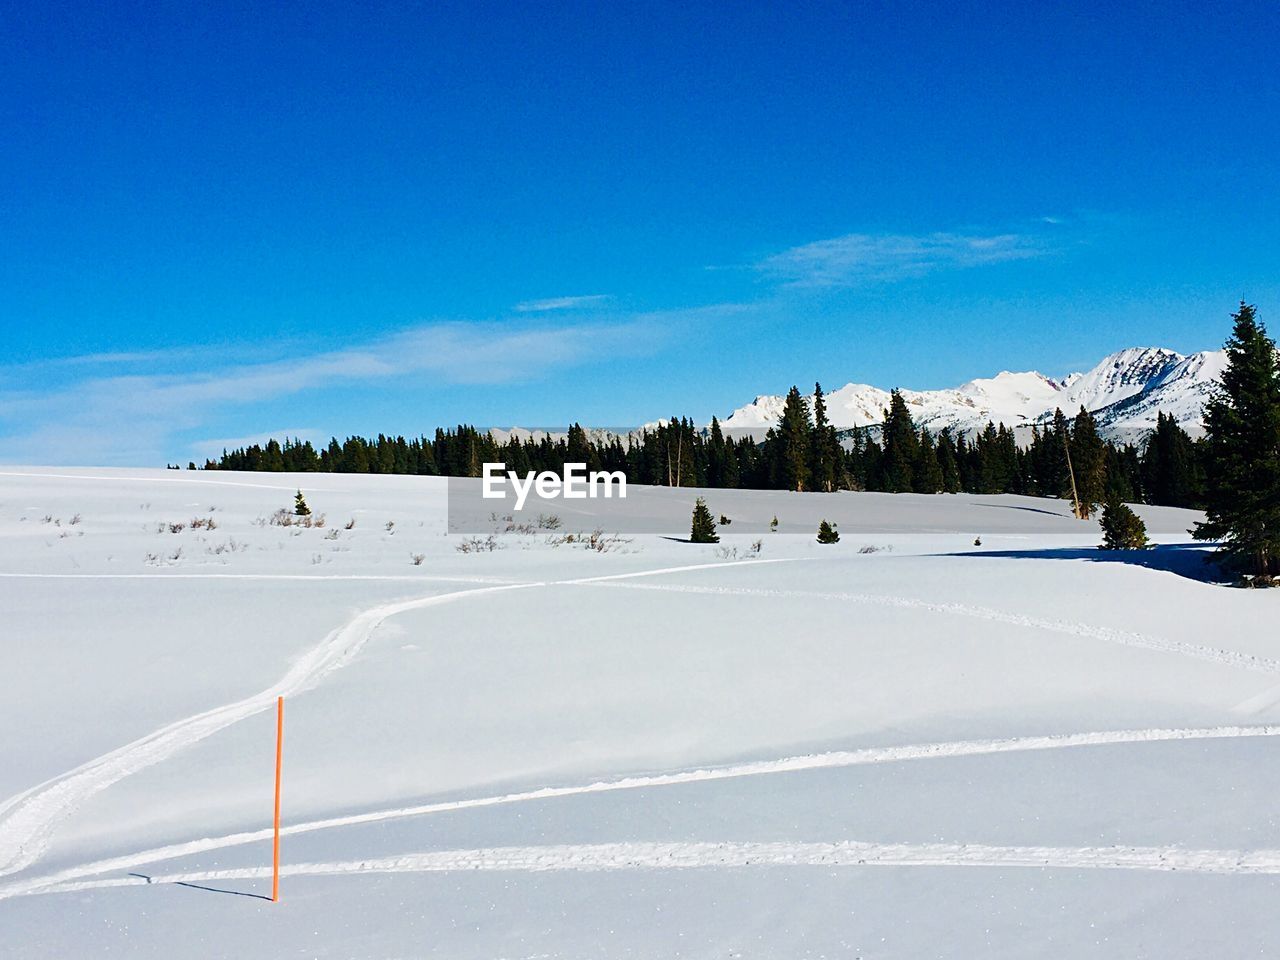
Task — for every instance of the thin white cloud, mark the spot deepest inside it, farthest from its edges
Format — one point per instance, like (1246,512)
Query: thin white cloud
(563,303)
(862,258)
(131,418)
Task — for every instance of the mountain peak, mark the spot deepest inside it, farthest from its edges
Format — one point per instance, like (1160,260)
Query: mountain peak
(1125,389)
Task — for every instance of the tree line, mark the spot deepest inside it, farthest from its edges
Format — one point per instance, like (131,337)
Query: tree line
(802,452)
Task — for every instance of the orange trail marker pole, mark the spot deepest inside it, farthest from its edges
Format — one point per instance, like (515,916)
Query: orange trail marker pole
(275,843)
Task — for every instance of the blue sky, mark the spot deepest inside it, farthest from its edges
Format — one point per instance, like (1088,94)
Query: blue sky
(220,221)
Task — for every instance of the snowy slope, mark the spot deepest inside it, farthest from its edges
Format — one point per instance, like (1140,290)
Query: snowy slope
(1126,389)
(901,745)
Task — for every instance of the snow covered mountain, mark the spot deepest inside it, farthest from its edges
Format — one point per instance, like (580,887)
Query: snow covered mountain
(1126,391)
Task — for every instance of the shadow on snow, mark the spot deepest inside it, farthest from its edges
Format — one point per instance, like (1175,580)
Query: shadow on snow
(199,886)
(1190,560)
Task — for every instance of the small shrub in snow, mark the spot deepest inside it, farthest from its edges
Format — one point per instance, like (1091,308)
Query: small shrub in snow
(548,521)
(596,540)
(733,553)
(773,525)
(391,526)
(868,549)
(417,559)
(300,507)
(350,524)
(177,527)
(724,521)
(477,545)
(331,535)
(1122,529)
(74,519)
(827,533)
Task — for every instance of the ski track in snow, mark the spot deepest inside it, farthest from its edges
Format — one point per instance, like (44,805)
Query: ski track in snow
(844,758)
(693,855)
(1232,658)
(27,819)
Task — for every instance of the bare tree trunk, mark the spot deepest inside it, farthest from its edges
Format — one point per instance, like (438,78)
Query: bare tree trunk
(679,457)
(1076,506)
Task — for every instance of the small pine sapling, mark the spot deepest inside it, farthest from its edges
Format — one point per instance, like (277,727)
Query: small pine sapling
(1122,529)
(827,533)
(300,508)
(703,529)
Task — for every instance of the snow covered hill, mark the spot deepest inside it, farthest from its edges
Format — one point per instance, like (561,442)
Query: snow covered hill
(1126,391)
(901,745)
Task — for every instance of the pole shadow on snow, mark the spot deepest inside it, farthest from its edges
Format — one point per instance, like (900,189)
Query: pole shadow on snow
(198,886)
(1190,560)
(1014,506)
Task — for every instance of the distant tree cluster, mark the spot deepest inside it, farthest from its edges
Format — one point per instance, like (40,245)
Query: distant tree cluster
(1064,458)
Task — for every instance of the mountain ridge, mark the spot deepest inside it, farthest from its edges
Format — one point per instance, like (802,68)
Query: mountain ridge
(1125,391)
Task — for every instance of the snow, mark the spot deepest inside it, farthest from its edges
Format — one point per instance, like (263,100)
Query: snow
(1126,389)
(1028,748)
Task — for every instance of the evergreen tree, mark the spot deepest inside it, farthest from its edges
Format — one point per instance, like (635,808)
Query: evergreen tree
(928,477)
(1088,463)
(272,457)
(1122,529)
(827,454)
(901,457)
(1171,472)
(995,457)
(1122,472)
(1242,437)
(857,461)
(948,462)
(966,461)
(703,529)
(717,457)
(732,476)
(300,507)
(827,533)
(792,442)
(581,449)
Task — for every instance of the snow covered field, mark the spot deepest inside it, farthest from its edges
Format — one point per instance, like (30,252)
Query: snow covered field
(901,745)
